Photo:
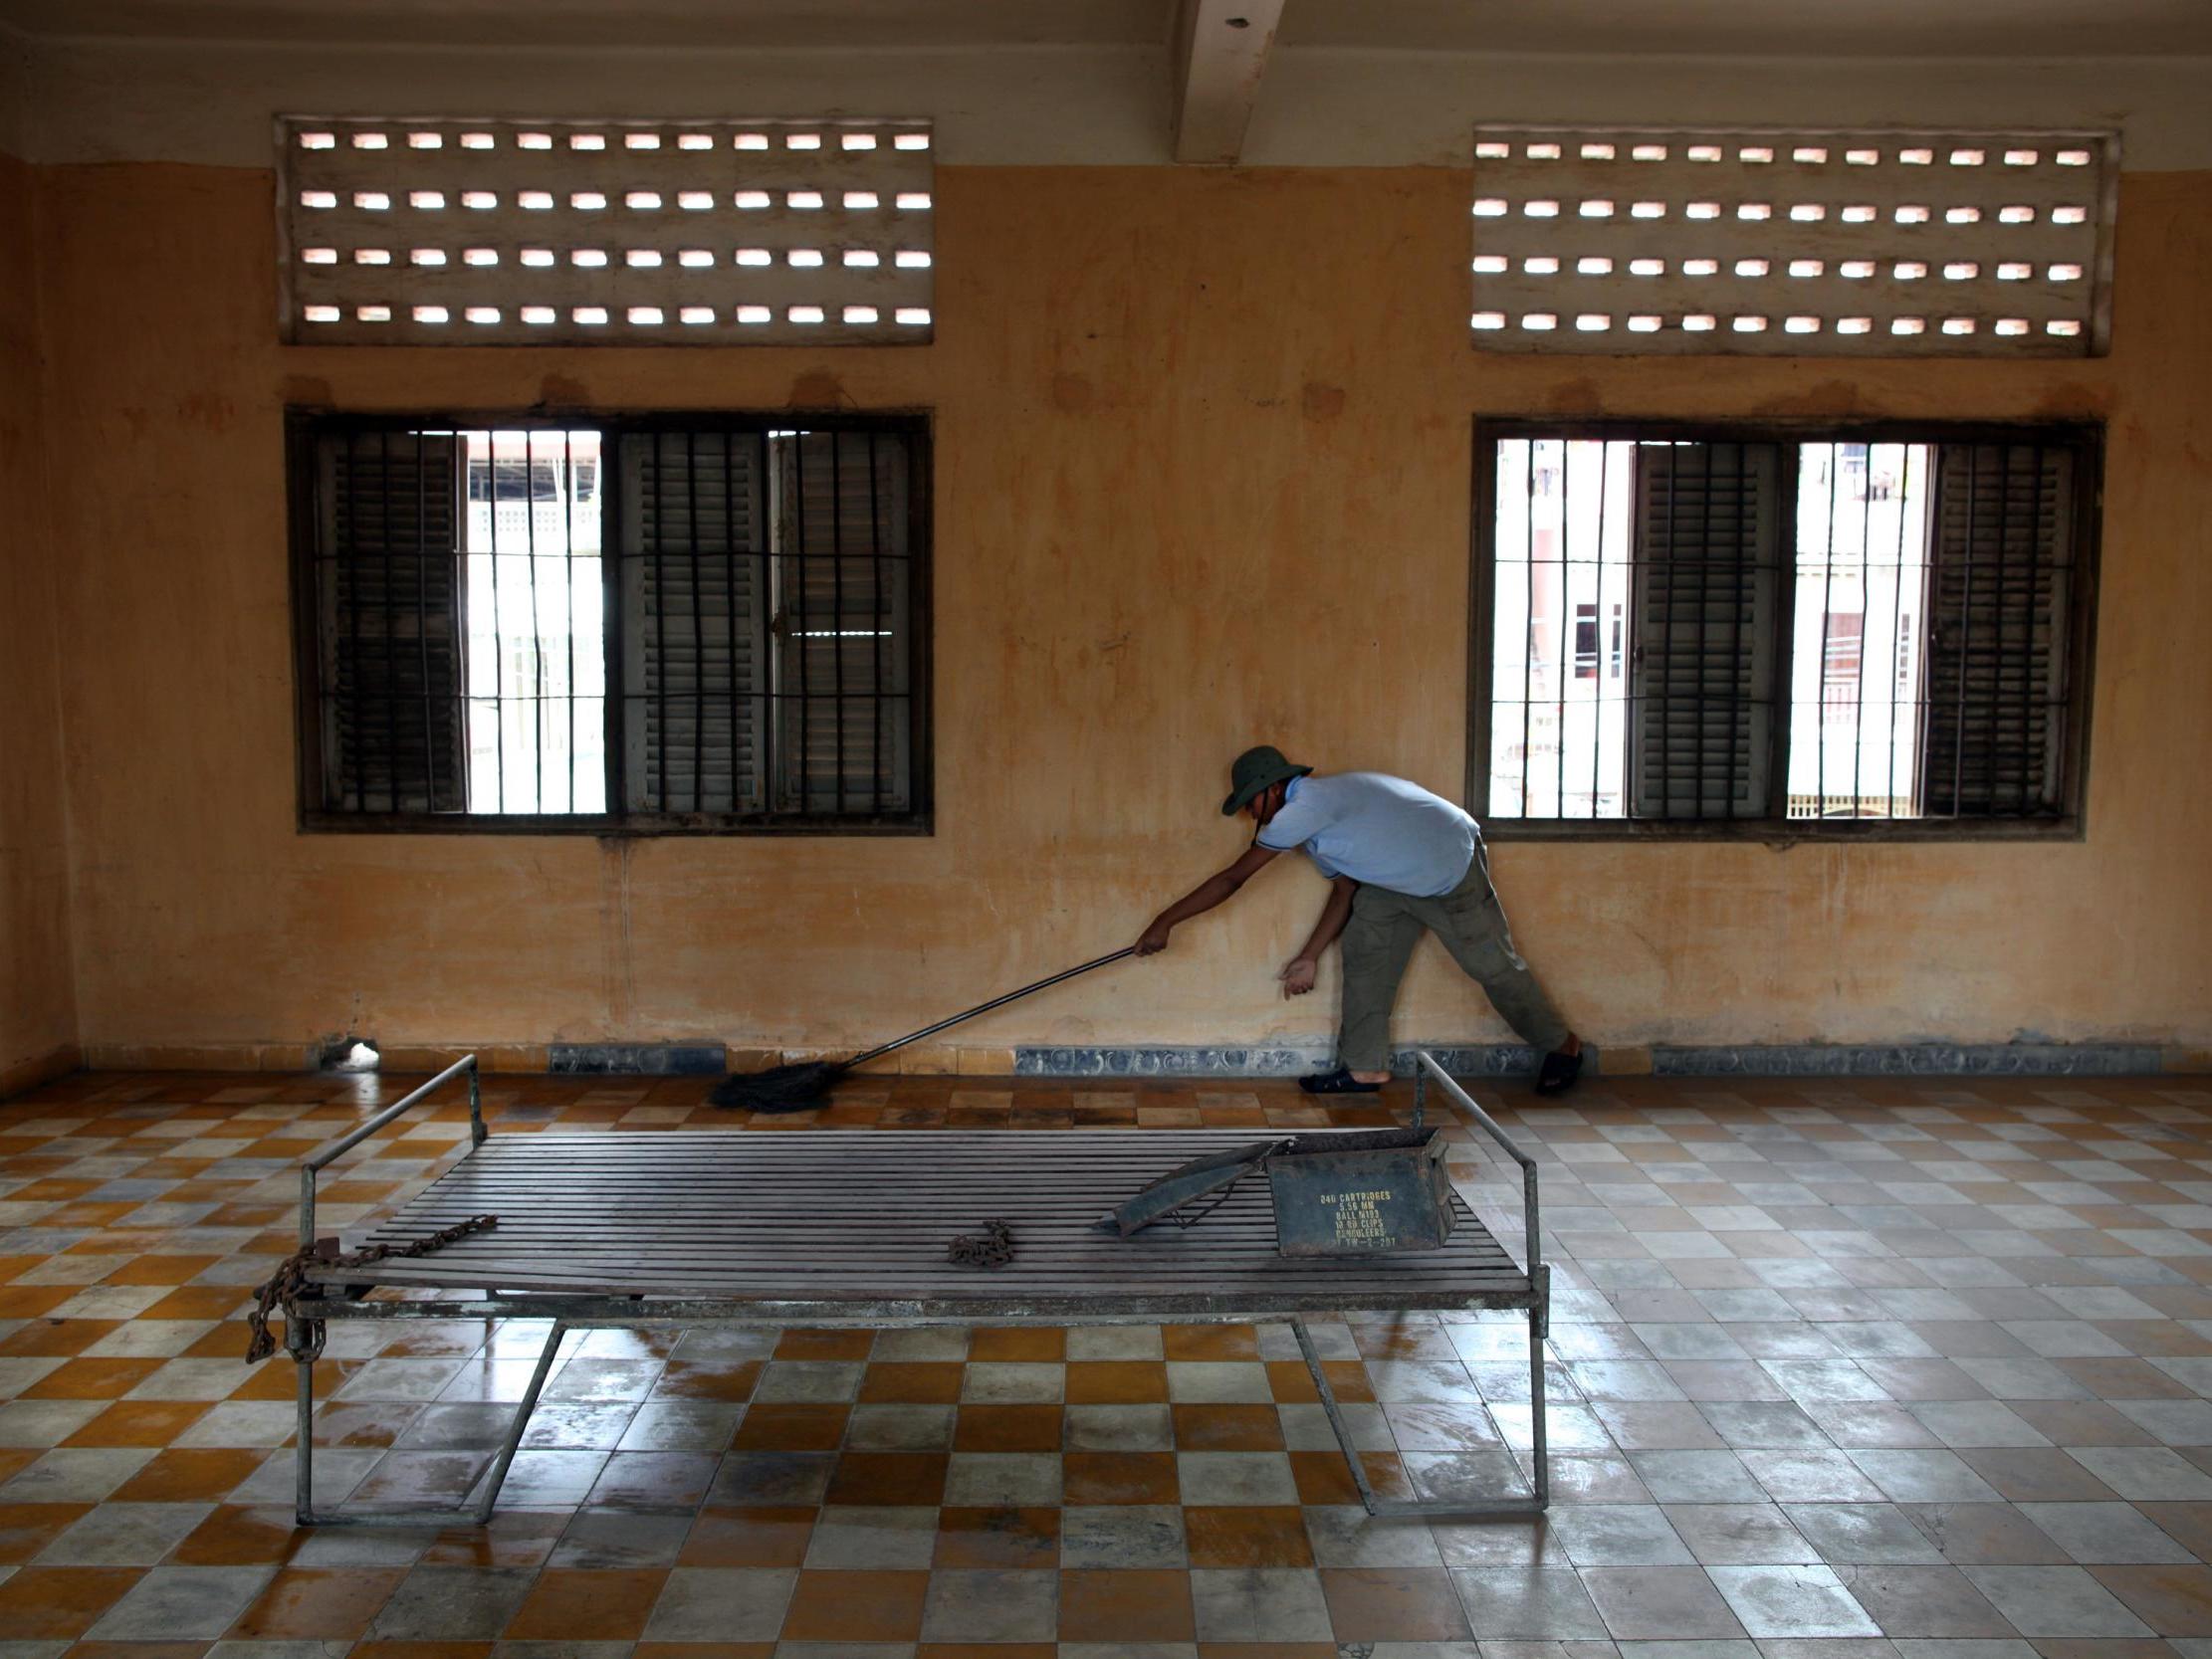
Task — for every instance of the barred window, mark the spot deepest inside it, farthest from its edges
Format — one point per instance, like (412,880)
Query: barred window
(1783,631)
(710,623)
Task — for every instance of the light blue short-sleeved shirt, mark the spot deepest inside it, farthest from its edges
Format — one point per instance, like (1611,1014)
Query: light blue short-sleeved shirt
(1379,830)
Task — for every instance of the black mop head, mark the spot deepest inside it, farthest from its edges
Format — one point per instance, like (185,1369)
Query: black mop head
(778,1088)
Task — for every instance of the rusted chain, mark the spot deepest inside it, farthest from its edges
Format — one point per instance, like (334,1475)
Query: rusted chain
(992,1247)
(285,1286)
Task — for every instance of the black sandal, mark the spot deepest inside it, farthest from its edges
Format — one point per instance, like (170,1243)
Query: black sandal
(1339,1082)
(1558,1072)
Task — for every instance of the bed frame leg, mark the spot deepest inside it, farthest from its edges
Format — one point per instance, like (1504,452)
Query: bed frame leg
(304,1392)
(1445,1507)
(304,1348)
(514,1430)
(1540,1467)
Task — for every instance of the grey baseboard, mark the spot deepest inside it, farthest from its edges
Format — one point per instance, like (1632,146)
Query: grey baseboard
(1465,1059)
(636,1058)
(1907,1060)
(1680,1060)
(1279,1060)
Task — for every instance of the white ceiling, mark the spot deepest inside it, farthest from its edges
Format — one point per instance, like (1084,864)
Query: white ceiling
(1867,27)
(768,24)
(1787,27)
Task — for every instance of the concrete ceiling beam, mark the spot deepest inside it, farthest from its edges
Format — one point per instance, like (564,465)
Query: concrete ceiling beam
(1221,55)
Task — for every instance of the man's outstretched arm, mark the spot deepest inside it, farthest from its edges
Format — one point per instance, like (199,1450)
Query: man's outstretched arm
(1298,973)
(1215,890)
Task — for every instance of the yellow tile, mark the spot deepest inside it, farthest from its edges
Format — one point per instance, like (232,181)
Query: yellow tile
(420,1058)
(928,1059)
(180,1057)
(28,1074)
(1624,1059)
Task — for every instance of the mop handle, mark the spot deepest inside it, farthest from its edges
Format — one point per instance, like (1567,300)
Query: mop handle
(985,1008)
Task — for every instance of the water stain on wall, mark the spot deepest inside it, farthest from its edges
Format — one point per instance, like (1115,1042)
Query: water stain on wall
(1322,402)
(1119,604)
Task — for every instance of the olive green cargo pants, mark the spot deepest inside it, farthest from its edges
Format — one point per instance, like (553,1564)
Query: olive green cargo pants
(1380,937)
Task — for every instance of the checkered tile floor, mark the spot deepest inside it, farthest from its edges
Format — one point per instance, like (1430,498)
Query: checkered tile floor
(1840,1369)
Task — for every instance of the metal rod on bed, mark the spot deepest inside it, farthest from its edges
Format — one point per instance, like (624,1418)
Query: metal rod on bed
(1531,1220)
(304,1353)
(344,1144)
(1539,1276)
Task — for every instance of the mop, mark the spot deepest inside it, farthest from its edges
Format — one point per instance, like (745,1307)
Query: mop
(796,1088)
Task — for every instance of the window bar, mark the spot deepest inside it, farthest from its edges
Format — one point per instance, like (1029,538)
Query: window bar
(655,502)
(876,624)
(1738,674)
(569,584)
(1966,633)
(2003,605)
(388,656)
(805,705)
(2032,661)
(730,615)
(326,689)
(610,512)
(1666,653)
(499,619)
(1828,589)
(763,525)
(1865,603)
(2031,558)
(1896,634)
(1562,626)
(1532,449)
(537,628)
(422,621)
(697,626)
(345,538)
(1705,563)
(1596,702)
(1920,609)
(837,597)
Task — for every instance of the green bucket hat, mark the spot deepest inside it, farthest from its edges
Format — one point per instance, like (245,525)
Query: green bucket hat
(1254,772)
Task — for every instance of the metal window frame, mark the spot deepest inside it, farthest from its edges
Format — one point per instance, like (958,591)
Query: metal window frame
(2085,436)
(306,425)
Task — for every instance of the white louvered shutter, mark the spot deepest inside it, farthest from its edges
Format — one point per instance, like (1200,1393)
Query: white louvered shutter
(694,563)
(2002,561)
(844,657)
(1708,539)
(387,593)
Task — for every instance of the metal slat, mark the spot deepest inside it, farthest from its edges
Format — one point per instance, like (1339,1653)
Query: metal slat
(387,619)
(695,669)
(1702,580)
(1996,630)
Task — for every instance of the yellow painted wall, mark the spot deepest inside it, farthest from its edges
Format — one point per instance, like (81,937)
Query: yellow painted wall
(38,1015)
(1203,458)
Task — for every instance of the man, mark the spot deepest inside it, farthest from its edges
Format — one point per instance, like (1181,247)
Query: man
(1399,861)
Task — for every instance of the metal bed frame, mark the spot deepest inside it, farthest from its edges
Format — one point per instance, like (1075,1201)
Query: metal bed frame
(588,1255)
